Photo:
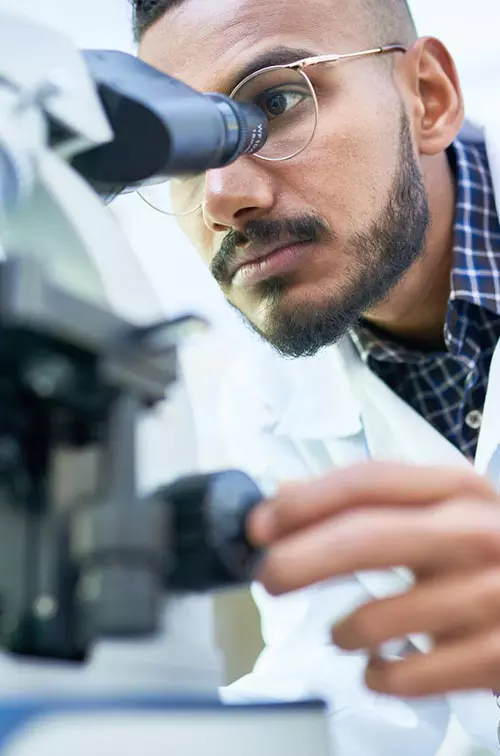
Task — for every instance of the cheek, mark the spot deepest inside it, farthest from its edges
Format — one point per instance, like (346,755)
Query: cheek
(198,234)
(348,170)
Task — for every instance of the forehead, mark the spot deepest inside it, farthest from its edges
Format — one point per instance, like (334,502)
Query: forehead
(203,42)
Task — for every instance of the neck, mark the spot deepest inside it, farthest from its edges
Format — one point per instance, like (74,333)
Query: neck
(415,309)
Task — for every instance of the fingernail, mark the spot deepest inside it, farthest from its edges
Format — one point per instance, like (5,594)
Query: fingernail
(261,525)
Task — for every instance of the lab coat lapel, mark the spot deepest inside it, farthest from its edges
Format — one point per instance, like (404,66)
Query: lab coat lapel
(394,431)
(488,448)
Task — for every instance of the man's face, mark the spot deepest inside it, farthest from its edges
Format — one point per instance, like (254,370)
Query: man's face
(352,208)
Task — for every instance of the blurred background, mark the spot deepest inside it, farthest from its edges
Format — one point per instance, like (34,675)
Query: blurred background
(176,276)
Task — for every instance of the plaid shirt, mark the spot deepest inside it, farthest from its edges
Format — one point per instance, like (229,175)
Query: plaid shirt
(448,388)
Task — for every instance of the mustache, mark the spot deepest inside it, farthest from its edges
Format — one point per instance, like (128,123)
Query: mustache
(303,228)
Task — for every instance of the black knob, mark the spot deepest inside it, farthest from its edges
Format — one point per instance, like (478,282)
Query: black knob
(208,547)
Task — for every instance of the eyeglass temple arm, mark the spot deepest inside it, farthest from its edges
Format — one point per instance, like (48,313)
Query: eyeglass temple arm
(334,58)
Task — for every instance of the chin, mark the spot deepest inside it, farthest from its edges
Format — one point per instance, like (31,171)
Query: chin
(301,296)
(304,319)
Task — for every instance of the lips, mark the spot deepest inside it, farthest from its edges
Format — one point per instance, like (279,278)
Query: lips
(254,253)
(258,264)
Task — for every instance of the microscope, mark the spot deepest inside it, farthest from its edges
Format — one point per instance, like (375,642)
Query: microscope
(85,556)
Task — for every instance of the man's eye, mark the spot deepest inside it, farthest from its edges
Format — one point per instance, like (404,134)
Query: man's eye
(279,101)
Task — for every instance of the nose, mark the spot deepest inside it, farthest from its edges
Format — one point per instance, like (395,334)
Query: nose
(236,194)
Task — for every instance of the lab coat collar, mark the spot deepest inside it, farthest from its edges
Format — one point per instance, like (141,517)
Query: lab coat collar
(490,135)
(487,459)
(492,141)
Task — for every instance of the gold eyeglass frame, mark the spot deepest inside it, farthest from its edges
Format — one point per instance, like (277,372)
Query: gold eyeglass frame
(298,66)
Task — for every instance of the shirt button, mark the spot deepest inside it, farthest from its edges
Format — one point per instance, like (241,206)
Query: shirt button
(474,419)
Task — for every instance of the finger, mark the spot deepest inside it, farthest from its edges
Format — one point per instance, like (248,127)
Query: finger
(369,484)
(442,537)
(465,664)
(453,605)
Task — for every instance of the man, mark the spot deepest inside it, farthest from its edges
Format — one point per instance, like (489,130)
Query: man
(366,225)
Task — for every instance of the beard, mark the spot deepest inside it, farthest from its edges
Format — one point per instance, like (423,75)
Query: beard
(380,257)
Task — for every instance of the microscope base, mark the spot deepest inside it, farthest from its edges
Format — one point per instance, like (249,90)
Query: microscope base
(161,725)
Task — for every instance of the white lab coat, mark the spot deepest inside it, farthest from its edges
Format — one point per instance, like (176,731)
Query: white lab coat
(286,419)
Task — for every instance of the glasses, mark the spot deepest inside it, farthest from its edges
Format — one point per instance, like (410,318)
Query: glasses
(285,93)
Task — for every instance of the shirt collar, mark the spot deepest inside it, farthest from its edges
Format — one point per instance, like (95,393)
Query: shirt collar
(475,275)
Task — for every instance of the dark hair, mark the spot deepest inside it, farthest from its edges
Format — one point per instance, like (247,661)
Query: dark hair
(145,13)
(390,20)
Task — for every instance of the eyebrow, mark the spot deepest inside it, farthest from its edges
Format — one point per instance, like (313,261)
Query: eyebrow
(277,56)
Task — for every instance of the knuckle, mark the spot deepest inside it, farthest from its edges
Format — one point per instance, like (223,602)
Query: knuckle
(486,589)
(390,677)
(491,653)
(272,575)
(365,625)
(397,681)
(354,478)
(484,536)
(474,523)
(469,477)
(469,480)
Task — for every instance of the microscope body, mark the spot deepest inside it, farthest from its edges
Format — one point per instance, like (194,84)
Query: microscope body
(91,597)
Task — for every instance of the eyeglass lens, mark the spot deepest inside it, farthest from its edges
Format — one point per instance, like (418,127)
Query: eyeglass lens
(287,97)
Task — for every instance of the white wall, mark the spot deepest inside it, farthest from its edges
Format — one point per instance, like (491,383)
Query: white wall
(470,30)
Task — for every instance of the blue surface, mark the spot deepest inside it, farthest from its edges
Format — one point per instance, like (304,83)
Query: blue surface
(16,714)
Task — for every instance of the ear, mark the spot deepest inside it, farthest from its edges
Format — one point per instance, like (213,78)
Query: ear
(433,94)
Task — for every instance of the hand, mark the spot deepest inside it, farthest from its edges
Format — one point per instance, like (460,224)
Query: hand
(443,524)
